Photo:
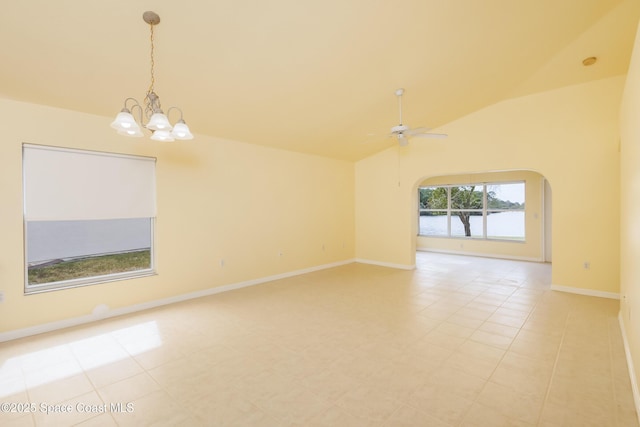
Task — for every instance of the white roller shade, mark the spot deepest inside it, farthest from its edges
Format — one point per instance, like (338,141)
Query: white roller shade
(65,184)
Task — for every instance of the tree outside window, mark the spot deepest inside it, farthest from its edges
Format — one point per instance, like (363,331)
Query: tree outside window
(483,211)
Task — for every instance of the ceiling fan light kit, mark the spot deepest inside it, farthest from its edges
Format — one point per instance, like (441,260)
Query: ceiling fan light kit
(157,122)
(403,132)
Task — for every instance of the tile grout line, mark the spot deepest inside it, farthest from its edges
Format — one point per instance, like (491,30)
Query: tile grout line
(505,353)
(555,363)
(475,399)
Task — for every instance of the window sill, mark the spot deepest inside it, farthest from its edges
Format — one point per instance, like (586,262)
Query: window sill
(88,281)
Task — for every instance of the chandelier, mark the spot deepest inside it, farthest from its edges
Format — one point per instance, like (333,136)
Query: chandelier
(156,121)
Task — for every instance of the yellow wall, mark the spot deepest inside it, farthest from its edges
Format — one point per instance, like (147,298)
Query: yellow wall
(568,135)
(630,212)
(530,249)
(244,203)
(216,200)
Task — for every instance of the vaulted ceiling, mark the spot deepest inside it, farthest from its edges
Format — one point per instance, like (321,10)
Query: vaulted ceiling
(310,76)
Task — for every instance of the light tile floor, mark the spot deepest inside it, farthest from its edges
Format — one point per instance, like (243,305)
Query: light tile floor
(459,341)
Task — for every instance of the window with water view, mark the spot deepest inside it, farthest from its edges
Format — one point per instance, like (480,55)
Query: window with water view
(479,211)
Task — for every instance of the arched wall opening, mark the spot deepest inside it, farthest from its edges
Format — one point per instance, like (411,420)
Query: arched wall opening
(536,243)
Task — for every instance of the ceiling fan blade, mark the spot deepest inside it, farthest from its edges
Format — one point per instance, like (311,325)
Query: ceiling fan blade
(430,135)
(416,131)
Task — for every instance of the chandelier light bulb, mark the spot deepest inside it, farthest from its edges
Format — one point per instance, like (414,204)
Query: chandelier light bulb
(124,120)
(162,135)
(136,133)
(159,121)
(181,131)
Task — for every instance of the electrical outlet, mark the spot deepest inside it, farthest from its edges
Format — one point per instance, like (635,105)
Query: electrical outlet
(1,296)
(586,265)
(222,263)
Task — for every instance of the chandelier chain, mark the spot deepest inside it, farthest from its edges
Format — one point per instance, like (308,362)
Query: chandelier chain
(153,78)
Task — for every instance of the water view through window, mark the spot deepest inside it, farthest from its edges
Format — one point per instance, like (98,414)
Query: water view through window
(481,211)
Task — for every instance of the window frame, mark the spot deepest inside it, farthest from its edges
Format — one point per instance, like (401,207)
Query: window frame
(30,289)
(484,210)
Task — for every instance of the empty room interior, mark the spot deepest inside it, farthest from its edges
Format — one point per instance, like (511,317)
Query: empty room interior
(343,213)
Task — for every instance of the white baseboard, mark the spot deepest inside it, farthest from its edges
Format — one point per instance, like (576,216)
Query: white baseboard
(480,254)
(386,264)
(632,371)
(103,312)
(587,292)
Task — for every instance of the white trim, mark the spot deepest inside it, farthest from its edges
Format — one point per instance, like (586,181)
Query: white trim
(387,264)
(103,312)
(632,372)
(480,254)
(588,292)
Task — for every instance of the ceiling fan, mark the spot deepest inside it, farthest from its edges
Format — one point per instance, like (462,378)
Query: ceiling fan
(403,132)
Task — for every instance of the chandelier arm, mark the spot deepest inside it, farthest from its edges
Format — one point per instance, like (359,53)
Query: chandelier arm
(175,108)
(137,107)
(135,103)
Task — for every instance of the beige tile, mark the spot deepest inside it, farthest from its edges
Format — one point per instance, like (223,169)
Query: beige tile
(398,379)
(45,358)
(481,351)
(559,415)
(293,406)
(517,312)
(70,412)
(102,420)
(494,340)
(484,416)
(454,330)
(368,402)
(330,384)
(441,404)
(512,403)
(470,364)
(13,390)
(407,416)
(444,340)
(45,389)
(157,356)
(545,326)
(507,320)
(521,379)
(467,322)
(20,421)
(529,365)
(498,329)
(128,389)
(337,416)
(457,382)
(519,304)
(157,408)
(590,394)
(113,372)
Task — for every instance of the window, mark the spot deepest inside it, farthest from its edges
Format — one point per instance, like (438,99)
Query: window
(479,211)
(88,217)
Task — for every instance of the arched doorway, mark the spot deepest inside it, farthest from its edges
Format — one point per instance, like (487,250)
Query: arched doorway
(502,214)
